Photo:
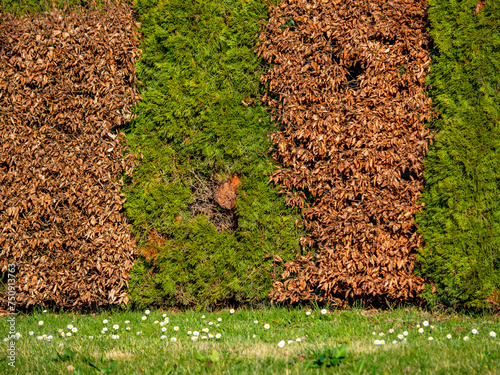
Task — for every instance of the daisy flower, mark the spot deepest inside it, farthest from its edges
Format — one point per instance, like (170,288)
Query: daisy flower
(128,328)
(105,321)
(39,338)
(290,342)
(205,330)
(163,337)
(203,316)
(194,338)
(267,326)
(254,336)
(381,334)
(430,339)
(68,334)
(210,323)
(395,342)
(210,336)
(190,333)
(255,321)
(281,343)
(156,322)
(231,311)
(40,323)
(144,317)
(448,336)
(147,312)
(298,339)
(31,333)
(91,337)
(324,311)
(115,337)
(70,326)
(164,329)
(127,321)
(176,328)
(203,337)
(219,319)
(421,330)
(173,339)
(493,334)
(466,338)
(474,331)
(74,329)
(308,313)
(164,315)
(196,333)
(405,333)
(391,330)
(218,336)
(400,336)
(425,323)
(139,333)
(105,329)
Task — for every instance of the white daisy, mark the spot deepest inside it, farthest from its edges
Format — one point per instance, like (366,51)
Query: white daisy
(31,333)
(267,326)
(68,334)
(156,322)
(147,312)
(298,339)
(430,339)
(391,330)
(164,329)
(466,338)
(405,333)
(128,328)
(324,311)
(196,333)
(218,336)
(231,311)
(70,326)
(204,337)
(74,329)
(395,342)
(400,336)
(190,333)
(219,319)
(163,337)
(176,328)
(210,323)
(493,334)
(127,321)
(105,321)
(281,343)
(144,317)
(105,329)
(39,338)
(203,317)
(164,315)
(194,338)
(40,323)
(173,339)
(448,336)
(205,330)
(474,331)
(210,336)
(425,323)
(421,330)
(139,333)
(91,337)
(308,313)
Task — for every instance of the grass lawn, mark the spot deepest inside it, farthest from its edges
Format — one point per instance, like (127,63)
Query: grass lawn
(266,341)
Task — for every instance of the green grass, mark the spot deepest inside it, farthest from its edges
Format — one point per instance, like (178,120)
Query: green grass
(238,351)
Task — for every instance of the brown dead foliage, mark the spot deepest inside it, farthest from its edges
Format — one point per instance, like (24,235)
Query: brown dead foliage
(67,82)
(347,85)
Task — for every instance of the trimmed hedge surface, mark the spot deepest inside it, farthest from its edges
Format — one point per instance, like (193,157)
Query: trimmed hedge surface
(460,222)
(204,137)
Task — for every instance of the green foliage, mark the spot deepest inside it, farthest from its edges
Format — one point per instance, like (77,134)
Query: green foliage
(329,358)
(460,223)
(194,132)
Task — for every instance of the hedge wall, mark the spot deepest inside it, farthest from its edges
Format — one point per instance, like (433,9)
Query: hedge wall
(211,230)
(460,222)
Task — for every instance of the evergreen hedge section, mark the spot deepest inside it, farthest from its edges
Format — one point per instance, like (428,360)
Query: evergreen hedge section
(211,229)
(460,222)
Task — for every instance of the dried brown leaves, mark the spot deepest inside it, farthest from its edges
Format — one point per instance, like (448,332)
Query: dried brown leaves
(66,81)
(347,83)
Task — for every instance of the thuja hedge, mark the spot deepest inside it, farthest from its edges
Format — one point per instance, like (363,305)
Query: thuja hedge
(199,124)
(460,223)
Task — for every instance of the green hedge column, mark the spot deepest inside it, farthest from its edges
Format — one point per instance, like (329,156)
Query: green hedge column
(460,222)
(201,122)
